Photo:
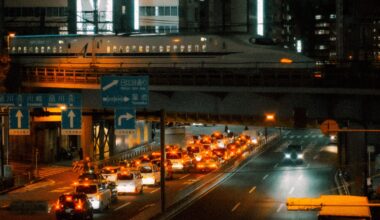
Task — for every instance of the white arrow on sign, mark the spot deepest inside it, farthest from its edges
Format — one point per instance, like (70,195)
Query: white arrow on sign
(111,84)
(121,117)
(71,116)
(19,116)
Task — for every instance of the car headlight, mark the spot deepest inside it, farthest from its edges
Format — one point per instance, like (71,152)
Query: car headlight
(299,156)
(287,156)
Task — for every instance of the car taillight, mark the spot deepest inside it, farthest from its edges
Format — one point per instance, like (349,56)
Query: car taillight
(79,206)
(98,197)
(57,206)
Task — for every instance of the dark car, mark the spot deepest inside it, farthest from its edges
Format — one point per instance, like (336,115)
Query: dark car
(73,206)
(294,153)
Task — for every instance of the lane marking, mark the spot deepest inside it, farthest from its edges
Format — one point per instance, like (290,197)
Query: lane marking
(155,190)
(265,176)
(280,207)
(235,207)
(183,177)
(122,206)
(253,189)
(275,166)
(308,165)
(291,190)
(300,177)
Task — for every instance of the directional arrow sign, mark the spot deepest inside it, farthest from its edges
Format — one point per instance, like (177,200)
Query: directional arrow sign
(125,122)
(71,121)
(19,121)
(125,91)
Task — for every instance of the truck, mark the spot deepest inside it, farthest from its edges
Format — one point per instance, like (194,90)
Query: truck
(99,195)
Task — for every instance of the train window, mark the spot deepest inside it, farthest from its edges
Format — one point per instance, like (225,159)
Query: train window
(147,48)
(25,49)
(60,49)
(168,48)
(54,49)
(120,49)
(30,49)
(19,50)
(134,48)
(114,49)
(42,49)
(141,49)
(13,49)
(36,50)
(60,42)
(48,49)
(204,48)
(161,48)
(154,48)
(189,48)
(196,48)
(182,48)
(127,49)
(108,49)
(175,47)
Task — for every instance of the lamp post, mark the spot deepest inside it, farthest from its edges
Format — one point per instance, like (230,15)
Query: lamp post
(270,118)
(9,37)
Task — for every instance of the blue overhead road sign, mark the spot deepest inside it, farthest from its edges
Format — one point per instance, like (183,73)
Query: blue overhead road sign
(125,91)
(71,122)
(19,121)
(40,100)
(125,121)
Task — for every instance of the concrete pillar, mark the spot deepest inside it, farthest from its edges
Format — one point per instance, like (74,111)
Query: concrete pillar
(146,132)
(72,16)
(87,142)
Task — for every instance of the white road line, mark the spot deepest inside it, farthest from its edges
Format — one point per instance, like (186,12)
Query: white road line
(291,190)
(184,176)
(308,165)
(275,166)
(155,190)
(122,206)
(280,207)
(265,176)
(253,189)
(300,178)
(235,207)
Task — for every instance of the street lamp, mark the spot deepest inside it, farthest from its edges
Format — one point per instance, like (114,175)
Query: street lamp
(269,118)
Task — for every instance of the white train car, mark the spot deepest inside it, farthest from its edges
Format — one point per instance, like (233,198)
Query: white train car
(181,51)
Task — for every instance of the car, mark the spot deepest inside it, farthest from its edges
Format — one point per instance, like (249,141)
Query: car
(99,195)
(208,164)
(129,182)
(110,173)
(150,174)
(73,206)
(221,153)
(168,168)
(91,176)
(294,153)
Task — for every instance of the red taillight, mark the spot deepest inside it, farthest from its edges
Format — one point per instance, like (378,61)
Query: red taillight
(79,206)
(57,206)
(69,198)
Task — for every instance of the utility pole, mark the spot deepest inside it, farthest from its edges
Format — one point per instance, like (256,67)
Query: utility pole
(162,143)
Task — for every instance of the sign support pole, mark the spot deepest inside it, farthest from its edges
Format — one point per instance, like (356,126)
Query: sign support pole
(162,143)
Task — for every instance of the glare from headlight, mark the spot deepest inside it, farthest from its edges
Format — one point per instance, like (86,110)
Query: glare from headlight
(287,156)
(299,156)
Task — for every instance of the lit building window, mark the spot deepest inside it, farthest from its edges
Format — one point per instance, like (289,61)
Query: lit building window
(299,46)
(332,16)
(318,17)
(260,17)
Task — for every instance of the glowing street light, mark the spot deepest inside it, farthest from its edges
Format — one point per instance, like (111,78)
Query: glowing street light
(270,117)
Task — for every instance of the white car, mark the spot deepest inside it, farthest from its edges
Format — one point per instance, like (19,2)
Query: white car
(109,173)
(150,174)
(99,196)
(129,182)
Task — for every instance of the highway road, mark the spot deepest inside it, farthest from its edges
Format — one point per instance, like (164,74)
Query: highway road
(258,190)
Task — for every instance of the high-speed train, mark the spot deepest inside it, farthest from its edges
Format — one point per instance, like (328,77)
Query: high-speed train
(209,51)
